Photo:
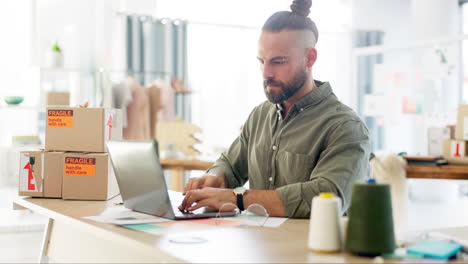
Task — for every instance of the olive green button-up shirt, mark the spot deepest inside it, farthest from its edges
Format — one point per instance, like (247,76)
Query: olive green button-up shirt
(320,146)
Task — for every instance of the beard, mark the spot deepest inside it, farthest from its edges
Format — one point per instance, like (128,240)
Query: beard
(287,89)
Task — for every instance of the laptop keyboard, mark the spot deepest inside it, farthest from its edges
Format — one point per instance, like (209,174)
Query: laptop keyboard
(176,199)
(175,209)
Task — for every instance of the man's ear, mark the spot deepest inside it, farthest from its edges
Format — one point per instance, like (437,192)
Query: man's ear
(311,57)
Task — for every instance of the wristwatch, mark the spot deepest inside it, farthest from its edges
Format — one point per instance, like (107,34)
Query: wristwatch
(239,192)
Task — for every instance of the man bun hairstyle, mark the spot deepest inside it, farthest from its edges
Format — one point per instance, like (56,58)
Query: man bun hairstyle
(296,19)
(301,7)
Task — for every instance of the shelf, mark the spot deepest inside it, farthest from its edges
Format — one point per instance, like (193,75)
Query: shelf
(19,107)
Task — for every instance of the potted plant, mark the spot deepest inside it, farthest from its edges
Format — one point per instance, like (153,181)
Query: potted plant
(54,56)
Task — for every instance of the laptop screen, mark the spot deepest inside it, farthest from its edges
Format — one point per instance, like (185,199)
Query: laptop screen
(140,177)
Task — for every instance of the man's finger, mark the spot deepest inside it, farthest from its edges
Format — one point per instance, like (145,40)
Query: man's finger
(189,199)
(193,184)
(195,197)
(184,202)
(200,204)
(187,187)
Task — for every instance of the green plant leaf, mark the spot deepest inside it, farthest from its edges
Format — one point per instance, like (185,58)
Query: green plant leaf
(56,47)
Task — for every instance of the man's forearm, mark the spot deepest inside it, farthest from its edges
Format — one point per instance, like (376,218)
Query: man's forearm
(269,199)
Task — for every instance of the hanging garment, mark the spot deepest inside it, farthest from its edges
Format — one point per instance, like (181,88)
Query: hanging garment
(138,114)
(121,97)
(167,112)
(154,93)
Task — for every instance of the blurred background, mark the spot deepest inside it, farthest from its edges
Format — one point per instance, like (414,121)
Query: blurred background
(400,64)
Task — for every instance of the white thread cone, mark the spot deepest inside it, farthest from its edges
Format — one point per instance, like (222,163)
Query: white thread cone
(325,229)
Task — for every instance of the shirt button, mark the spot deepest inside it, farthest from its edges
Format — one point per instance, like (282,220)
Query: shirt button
(270,179)
(274,147)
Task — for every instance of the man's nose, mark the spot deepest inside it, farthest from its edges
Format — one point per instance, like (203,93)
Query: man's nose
(268,72)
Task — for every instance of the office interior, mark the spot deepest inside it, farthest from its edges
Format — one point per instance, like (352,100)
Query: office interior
(400,65)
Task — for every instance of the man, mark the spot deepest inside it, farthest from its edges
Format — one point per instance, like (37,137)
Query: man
(300,142)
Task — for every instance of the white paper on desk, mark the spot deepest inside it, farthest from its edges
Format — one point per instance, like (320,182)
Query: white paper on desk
(250,220)
(275,221)
(120,215)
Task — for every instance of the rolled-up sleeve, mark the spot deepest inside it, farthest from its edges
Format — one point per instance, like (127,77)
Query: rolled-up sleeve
(233,163)
(297,197)
(343,162)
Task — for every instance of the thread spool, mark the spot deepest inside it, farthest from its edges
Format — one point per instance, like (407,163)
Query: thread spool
(370,227)
(324,229)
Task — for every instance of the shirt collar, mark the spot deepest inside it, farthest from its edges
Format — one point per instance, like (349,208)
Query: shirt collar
(322,91)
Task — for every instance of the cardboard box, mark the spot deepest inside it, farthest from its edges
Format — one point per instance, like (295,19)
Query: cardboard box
(455,148)
(461,132)
(435,139)
(40,174)
(58,98)
(88,177)
(81,129)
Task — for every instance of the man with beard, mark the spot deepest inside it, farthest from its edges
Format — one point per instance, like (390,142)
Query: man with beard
(299,143)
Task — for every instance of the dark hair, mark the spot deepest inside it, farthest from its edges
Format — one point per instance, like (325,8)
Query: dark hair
(296,19)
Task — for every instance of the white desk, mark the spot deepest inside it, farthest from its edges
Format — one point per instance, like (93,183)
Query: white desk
(70,238)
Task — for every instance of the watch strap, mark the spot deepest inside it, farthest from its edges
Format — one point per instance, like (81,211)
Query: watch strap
(240,201)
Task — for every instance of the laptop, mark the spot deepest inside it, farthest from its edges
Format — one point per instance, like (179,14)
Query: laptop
(142,184)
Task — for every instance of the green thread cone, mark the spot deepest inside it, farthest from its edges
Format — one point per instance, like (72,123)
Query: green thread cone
(370,226)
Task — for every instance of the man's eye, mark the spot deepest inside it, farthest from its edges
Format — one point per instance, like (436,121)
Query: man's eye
(279,62)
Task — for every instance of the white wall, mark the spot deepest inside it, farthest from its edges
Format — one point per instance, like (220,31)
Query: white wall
(73,24)
(438,19)
(407,21)
(435,18)
(15,46)
(392,17)
(16,18)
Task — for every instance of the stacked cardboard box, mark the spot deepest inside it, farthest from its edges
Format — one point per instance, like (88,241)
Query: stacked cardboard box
(58,98)
(74,164)
(457,147)
(436,140)
(41,174)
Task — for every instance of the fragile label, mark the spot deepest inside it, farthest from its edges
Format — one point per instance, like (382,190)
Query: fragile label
(27,181)
(80,166)
(457,149)
(108,122)
(60,118)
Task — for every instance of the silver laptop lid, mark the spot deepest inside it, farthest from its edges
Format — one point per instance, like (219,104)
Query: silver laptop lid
(140,177)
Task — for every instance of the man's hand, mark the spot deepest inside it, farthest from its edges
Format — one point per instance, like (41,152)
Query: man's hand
(212,197)
(208,180)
